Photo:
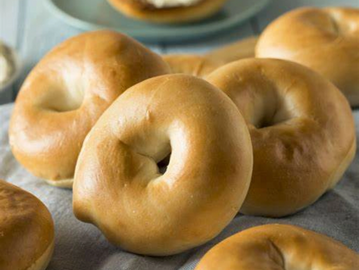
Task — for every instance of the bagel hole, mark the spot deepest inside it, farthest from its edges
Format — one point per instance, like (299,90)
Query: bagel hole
(264,123)
(163,164)
(62,93)
(335,29)
(63,101)
(273,116)
(341,25)
(275,120)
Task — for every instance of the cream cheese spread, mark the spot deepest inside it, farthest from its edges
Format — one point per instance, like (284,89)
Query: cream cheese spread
(172,3)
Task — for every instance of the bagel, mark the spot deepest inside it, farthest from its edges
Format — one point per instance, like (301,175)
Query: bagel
(191,64)
(302,132)
(168,11)
(26,230)
(66,93)
(277,246)
(235,51)
(118,185)
(202,65)
(323,39)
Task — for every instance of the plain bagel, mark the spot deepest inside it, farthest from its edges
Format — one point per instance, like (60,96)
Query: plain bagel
(26,230)
(147,11)
(118,185)
(325,40)
(244,48)
(202,65)
(302,132)
(191,64)
(277,246)
(66,93)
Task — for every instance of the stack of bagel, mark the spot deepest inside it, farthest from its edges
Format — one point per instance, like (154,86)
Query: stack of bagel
(163,152)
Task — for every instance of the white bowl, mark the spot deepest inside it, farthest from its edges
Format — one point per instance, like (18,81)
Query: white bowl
(6,91)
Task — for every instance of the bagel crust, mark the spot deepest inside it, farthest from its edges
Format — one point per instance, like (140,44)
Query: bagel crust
(325,40)
(202,65)
(278,246)
(172,15)
(26,230)
(302,132)
(191,64)
(118,185)
(66,93)
(244,48)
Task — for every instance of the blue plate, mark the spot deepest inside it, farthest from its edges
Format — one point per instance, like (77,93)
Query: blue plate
(98,14)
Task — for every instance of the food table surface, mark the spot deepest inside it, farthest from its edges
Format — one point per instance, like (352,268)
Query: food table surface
(81,246)
(32,30)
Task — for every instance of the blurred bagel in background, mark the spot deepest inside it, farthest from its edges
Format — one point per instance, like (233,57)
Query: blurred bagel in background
(323,39)
(65,94)
(168,11)
(191,64)
(202,65)
(244,48)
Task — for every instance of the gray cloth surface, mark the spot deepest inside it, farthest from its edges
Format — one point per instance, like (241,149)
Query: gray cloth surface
(81,246)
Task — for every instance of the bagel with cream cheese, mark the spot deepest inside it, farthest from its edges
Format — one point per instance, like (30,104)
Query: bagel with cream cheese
(168,11)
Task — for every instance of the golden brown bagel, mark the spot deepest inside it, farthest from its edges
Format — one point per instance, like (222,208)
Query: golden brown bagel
(196,65)
(144,10)
(65,94)
(325,40)
(118,186)
(235,51)
(302,132)
(278,246)
(202,65)
(26,230)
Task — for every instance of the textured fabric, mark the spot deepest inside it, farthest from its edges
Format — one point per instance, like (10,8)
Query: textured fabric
(82,246)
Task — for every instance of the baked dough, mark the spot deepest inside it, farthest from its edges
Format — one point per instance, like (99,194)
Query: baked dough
(302,132)
(277,246)
(66,93)
(244,48)
(191,64)
(26,230)
(202,65)
(323,39)
(118,185)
